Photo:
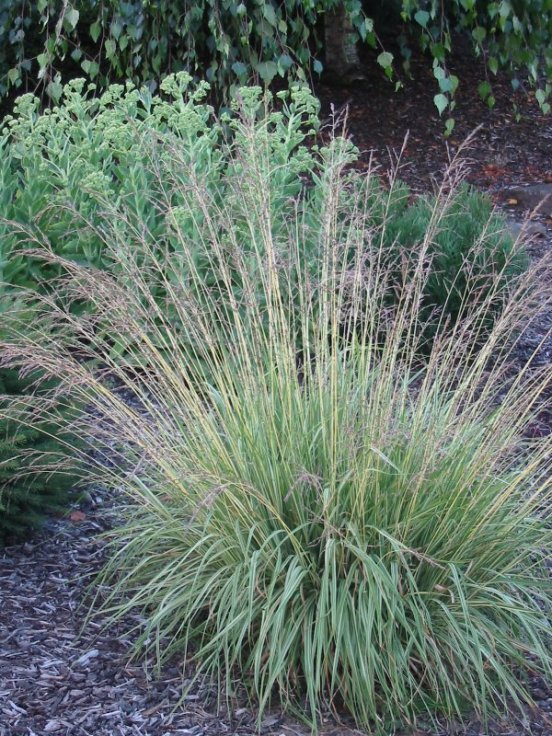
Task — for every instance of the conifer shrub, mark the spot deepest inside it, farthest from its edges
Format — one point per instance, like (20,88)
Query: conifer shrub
(468,244)
(36,446)
(327,523)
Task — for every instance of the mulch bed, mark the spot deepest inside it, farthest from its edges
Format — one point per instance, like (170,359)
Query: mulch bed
(59,678)
(503,153)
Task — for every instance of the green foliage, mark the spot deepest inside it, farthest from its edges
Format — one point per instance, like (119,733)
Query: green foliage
(229,43)
(66,167)
(321,522)
(514,35)
(87,147)
(35,445)
(226,43)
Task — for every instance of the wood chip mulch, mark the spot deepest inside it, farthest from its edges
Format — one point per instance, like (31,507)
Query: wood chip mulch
(60,677)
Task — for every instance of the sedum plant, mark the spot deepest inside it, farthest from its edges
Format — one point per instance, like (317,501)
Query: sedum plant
(332,523)
(61,164)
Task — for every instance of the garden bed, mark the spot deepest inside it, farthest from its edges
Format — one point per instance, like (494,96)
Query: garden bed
(57,677)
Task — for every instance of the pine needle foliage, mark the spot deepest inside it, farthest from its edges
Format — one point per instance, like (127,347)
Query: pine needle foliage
(469,243)
(35,479)
(315,512)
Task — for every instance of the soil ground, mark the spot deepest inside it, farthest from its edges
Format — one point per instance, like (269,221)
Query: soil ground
(504,151)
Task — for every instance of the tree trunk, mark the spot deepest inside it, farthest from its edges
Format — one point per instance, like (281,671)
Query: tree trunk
(341,53)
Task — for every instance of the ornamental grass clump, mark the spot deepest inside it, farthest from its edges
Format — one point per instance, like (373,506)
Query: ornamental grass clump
(315,511)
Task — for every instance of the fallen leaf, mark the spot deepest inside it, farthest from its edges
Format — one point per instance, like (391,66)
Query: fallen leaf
(493,171)
(512,201)
(77,516)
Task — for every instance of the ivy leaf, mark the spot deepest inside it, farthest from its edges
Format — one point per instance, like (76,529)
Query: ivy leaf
(71,19)
(505,9)
(437,51)
(365,28)
(484,89)
(441,102)
(479,33)
(270,15)
(317,66)
(449,126)
(116,29)
(422,17)
(110,48)
(266,70)
(14,75)
(540,95)
(54,90)
(385,59)
(285,62)
(517,24)
(239,69)
(95,30)
(90,67)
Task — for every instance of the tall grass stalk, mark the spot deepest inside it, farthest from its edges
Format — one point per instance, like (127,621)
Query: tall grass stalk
(319,509)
